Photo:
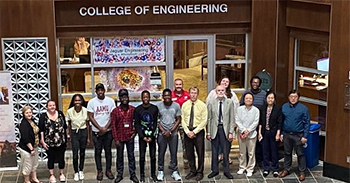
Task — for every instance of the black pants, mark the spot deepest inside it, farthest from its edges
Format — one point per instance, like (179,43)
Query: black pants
(78,140)
(198,143)
(152,152)
(105,142)
(131,157)
(270,148)
(56,155)
(258,152)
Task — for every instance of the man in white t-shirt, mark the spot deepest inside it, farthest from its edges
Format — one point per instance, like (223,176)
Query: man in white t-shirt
(99,109)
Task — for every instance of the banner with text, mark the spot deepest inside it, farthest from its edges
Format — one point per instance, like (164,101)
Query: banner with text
(128,50)
(8,159)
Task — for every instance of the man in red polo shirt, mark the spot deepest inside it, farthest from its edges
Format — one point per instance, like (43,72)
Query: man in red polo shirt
(180,96)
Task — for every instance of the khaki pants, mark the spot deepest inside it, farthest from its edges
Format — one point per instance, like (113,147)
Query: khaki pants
(247,145)
(29,162)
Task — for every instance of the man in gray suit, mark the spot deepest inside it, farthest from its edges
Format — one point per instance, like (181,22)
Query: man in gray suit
(220,130)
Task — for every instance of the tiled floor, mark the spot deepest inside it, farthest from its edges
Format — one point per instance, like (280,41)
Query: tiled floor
(313,175)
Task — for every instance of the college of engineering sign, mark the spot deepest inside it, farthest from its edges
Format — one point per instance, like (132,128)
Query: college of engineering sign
(84,14)
(155,9)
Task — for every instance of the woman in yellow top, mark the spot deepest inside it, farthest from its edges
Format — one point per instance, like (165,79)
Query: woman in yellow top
(78,130)
(28,145)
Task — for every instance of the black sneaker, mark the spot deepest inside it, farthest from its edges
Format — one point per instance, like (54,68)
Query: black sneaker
(99,176)
(275,174)
(154,177)
(109,174)
(266,173)
(142,179)
(134,179)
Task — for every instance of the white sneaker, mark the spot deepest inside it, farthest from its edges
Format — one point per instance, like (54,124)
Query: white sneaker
(81,175)
(160,175)
(240,171)
(176,176)
(249,174)
(62,178)
(76,177)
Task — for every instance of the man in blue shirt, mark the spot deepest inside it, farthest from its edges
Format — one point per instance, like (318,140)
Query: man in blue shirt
(295,131)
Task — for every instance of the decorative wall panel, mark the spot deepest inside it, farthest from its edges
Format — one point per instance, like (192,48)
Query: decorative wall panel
(27,60)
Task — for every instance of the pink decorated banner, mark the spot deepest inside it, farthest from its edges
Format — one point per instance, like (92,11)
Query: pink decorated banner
(128,50)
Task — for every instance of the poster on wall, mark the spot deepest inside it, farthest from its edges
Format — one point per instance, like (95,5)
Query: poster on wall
(8,159)
(134,79)
(122,50)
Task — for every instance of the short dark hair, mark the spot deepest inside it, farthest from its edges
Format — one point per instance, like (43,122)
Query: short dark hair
(50,100)
(250,93)
(294,91)
(271,92)
(166,90)
(145,91)
(255,77)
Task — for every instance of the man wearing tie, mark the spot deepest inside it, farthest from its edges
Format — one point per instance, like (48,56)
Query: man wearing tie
(220,130)
(194,120)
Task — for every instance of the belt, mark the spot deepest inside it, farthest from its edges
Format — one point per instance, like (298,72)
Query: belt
(192,128)
(220,124)
(77,130)
(294,133)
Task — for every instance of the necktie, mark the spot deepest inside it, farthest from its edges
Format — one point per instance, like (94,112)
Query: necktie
(191,117)
(220,112)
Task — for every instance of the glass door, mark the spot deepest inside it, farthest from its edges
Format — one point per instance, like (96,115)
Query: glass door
(191,58)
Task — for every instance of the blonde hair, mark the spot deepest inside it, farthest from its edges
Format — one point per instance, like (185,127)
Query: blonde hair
(25,108)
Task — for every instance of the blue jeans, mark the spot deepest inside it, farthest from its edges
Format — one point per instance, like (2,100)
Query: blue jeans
(162,146)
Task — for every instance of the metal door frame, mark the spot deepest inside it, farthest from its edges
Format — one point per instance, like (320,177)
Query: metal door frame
(210,53)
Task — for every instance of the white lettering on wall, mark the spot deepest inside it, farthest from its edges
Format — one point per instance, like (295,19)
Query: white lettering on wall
(156,10)
(105,11)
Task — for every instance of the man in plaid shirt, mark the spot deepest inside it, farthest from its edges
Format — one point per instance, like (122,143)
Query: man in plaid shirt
(123,133)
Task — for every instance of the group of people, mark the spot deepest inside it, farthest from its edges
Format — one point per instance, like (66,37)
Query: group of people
(256,121)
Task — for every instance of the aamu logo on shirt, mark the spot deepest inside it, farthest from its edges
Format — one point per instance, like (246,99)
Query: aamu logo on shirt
(100,110)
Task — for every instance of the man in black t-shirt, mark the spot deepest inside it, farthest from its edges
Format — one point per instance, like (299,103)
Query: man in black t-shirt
(145,116)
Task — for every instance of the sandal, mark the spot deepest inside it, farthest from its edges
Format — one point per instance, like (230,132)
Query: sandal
(52,179)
